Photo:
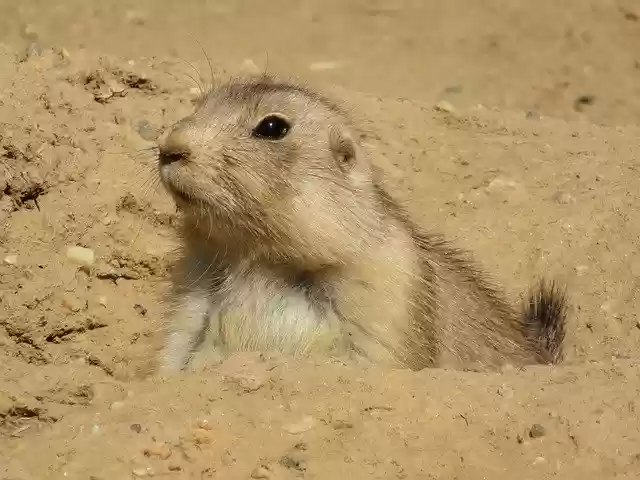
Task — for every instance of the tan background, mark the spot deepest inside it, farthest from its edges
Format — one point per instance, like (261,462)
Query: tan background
(533,182)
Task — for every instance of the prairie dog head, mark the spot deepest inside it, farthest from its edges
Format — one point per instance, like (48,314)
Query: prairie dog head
(272,168)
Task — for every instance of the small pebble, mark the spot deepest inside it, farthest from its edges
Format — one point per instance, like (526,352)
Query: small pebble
(204,424)
(95,429)
(143,472)
(116,87)
(302,426)
(109,220)
(102,301)
(539,460)
(444,106)
(140,310)
(80,255)
(11,259)
(136,427)
(116,405)
(537,431)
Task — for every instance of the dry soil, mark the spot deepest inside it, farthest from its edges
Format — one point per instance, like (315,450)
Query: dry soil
(509,125)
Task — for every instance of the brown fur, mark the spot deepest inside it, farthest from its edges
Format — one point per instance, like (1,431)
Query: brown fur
(293,245)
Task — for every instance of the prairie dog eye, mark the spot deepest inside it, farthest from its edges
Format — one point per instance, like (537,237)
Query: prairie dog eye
(272,127)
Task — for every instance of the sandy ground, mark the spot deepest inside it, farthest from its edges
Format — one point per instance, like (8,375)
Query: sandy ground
(534,167)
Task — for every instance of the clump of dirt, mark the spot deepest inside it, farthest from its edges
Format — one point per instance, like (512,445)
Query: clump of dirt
(25,187)
(106,85)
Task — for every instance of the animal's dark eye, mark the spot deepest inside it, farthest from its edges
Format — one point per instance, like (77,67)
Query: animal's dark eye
(272,127)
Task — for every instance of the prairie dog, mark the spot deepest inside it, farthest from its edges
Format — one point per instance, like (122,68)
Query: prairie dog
(291,244)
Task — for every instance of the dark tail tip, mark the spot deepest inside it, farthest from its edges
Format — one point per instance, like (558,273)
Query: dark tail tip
(545,315)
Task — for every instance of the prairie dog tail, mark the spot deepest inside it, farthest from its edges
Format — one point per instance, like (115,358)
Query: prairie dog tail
(544,317)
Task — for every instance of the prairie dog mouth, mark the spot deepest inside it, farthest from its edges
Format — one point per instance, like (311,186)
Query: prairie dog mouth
(180,196)
(189,193)
(169,178)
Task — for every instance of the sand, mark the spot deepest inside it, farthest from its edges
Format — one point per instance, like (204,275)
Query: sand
(511,127)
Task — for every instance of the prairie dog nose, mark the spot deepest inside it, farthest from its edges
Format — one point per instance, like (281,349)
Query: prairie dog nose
(176,144)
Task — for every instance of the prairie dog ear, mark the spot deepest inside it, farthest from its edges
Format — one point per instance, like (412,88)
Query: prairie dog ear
(343,148)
